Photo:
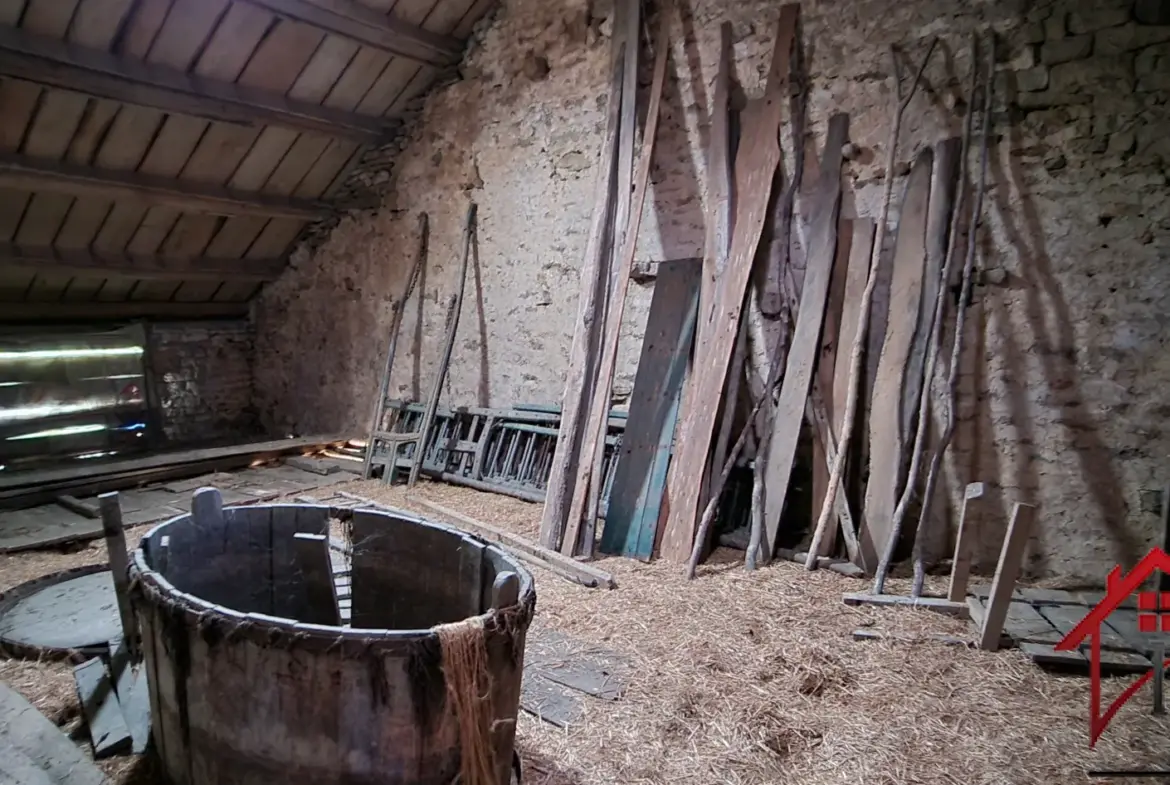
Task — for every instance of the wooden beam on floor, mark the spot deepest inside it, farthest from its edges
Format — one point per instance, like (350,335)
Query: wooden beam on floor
(35,174)
(103,75)
(367,26)
(101,311)
(147,267)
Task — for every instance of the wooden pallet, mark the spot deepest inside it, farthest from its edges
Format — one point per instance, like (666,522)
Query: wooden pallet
(1039,618)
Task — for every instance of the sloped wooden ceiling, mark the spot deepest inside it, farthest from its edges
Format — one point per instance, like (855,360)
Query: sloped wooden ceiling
(160,157)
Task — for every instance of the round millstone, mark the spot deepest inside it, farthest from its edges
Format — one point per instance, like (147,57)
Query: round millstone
(67,611)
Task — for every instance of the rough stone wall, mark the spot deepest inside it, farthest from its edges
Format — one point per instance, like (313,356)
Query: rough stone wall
(1060,398)
(202,373)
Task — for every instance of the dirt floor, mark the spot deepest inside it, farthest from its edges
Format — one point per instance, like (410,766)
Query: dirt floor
(752,678)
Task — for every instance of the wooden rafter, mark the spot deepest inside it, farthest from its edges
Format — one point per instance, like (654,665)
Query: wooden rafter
(93,72)
(41,259)
(31,174)
(367,26)
(62,312)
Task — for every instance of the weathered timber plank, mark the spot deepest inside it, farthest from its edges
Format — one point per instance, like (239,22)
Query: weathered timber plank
(149,267)
(1007,571)
(130,684)
(559,658)
(362,24)
(99,703)
(965,542)
(936,604)
(546,700)
(635,501)
(290,586)
(756,162)
(886,447)
(101,74)
(802,356)
(39,174)
(28,735)
(312,555)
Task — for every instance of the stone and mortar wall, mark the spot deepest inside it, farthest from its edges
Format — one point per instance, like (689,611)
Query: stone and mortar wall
(1061,399)
(202,373)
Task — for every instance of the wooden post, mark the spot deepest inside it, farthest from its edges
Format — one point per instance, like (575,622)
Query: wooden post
(455,307)
(111,511)
(1011,558)
(961,565)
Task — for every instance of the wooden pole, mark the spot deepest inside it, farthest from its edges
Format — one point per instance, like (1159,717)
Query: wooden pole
(961,564)
(594,283)
(1011,557)
(587,488)
(456,305)
(847,419)
(960,325)
(111,511)
(395,329)
(940,299)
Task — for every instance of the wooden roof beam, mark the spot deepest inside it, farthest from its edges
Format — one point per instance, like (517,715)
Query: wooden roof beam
(365,25)
(93,72)
(42,259)
(108,311)
(33,174)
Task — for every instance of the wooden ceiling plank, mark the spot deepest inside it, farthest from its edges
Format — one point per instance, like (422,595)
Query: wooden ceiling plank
(235,292)
(323,70)
(82,288)
(278,235)
(55,123)
(96,22)
(100,74)
(414,11)
(13,284)
(10,11)
(281,56)
(48,17)
(361,73)
(191,236)
(367,26)
(150,267)
(296,164)
(47,288)
(119,226)
(17,172)
(83,223)
(153,291)
(13,203)
(18,103)
(262,160)
(415,86)
(105,309)
(473,15)
(388,86)
(235,236)
(145,22)
(231,46)
(95,124)
(152,231)
(175,143)
(115,289)
(447,15)
(220,152)
(185,32)
(128,138)
(325,170)
(196,291)
(43,218)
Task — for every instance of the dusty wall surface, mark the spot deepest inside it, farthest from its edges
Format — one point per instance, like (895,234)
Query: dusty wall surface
(202,373)
(1062,397)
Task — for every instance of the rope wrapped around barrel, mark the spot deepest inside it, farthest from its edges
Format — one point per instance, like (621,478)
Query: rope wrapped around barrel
(469,689)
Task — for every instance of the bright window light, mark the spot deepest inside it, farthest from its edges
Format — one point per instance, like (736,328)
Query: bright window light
(67,431)
(18,413)
(88,455)
(13,384)
(115,376)
(63,354)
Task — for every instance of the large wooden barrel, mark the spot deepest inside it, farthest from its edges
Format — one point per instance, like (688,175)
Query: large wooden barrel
(255,677)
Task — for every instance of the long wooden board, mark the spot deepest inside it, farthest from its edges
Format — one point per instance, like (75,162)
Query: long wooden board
(802,356)
(756,162)
(30,740)
(635,501)
(885,433)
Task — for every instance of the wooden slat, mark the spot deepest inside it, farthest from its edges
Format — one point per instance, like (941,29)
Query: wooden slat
(100,74)
(886,448)
(145,22)
(964,542)
(48,17)
(37,749)
(99,702)
(40,312)
(17,172)
(19,99)
(96,22)
(1007,571)
(359,23)
(798,373)
(312,558)
(756,162)
(153,268)
(635,500)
